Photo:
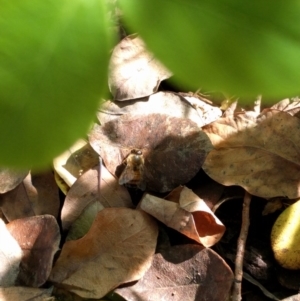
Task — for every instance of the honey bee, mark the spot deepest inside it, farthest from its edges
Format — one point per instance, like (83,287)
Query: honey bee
(133,173)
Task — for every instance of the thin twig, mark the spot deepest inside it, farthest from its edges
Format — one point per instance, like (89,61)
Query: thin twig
(238,273)
(99,182)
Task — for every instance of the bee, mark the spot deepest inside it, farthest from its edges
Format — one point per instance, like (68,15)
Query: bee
(133,173)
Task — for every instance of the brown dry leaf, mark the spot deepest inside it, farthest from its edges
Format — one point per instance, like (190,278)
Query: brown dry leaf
(39,238)
(79,158)
(133,70)
(186,213)
(261,155)
(273,205)
(10,257)
(290,106)
(86,190)
(10,178)
(118,248)
(185,272)
(206,112)
(36,195)
(164,103)
(19,293)
(174,149)
(83,223)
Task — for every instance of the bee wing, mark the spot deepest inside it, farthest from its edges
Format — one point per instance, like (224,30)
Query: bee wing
(126,176)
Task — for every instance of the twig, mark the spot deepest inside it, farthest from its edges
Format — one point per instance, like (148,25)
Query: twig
(238,273)
(99,178)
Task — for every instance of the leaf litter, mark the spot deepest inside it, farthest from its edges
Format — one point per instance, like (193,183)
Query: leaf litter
(256,153)
(133,70)
(164,140)
(185,212)
(167,144)
(184,272)
(117,249)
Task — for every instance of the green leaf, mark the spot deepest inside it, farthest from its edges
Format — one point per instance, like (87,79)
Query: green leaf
(244,48)
(53,71)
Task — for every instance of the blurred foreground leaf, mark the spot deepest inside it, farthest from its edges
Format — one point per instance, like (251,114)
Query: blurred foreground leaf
(53,67)
(243,48)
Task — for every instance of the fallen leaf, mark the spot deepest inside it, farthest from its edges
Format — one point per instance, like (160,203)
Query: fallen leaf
(173,148)
(184,272)
(86,190)
(39,238)
(260,154)
(10,178)
(206,112)
(36,195)
(84,222)
(19,293)
(185,212)
(117,249)
(79,158)
(10,257)
(133,70)
(273,205)
(164,103)
(290,106)
(292,298)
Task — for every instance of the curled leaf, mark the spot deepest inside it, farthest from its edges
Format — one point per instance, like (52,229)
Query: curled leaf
(186,213)
(71,164)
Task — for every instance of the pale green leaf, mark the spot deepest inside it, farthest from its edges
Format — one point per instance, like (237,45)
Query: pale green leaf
(243,48)
(53,68)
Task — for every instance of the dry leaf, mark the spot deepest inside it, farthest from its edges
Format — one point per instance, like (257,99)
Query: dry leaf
(292,298)
(164,103)
(10,257)
(261,155)
(186,213)
(25,294)
(273,205)
(36,195)
(79,158)
(206,112)
(86,190)
(133,70)
(173,148)
(39,238)
(83,223)
(290,106)
(10,178)
(118,248)
(185,272)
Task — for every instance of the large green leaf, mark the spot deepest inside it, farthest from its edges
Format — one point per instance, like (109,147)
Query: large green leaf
(53,68)
(239,47)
